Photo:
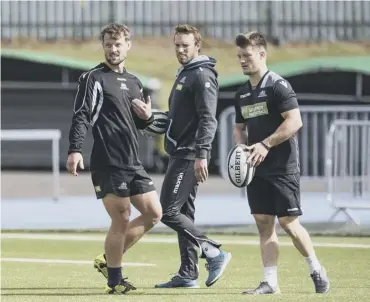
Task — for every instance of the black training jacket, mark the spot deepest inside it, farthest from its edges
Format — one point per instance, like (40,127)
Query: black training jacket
(103,101)
(192,110)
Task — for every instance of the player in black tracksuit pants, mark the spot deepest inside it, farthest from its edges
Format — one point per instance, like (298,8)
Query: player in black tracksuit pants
(191,130)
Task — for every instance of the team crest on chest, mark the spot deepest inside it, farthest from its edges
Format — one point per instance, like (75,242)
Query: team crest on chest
(262,94)
(124,86)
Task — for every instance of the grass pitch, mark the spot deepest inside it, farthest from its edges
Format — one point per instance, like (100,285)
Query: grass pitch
(348,269)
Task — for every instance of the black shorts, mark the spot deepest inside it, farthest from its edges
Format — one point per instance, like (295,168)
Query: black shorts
(277,195)
(121,182)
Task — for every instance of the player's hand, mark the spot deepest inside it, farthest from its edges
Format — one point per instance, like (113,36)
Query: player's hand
(74,159)
(201,169)
(142,109)
(258,154)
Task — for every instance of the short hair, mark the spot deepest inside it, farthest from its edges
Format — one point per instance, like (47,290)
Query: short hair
(187,30)
(115,30)
(252,38)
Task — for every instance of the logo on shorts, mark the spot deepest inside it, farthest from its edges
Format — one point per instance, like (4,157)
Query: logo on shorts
(293,209)
(178,182)
(123,186)
(97,189)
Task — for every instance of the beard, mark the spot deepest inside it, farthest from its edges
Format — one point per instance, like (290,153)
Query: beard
(249,72)
(182,60)
(114,60)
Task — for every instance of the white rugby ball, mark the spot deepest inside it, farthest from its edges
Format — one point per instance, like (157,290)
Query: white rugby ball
(160,123)
(240,172)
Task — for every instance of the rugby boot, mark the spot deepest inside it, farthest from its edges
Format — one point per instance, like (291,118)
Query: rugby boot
(178,282)
(320,280)
(216,267)
(120,289)
(100,264)
(263,289)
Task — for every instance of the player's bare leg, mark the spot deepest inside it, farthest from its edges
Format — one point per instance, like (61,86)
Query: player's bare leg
(119,210)
(269,252)
(302,241)
(298,234)
(151,213)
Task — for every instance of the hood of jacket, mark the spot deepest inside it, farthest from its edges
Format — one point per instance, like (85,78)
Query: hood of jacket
(200,61)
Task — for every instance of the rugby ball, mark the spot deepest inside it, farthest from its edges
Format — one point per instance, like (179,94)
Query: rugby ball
(160,123)
(240,172)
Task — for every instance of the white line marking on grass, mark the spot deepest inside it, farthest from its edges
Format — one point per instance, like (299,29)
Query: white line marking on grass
(256,242)
(64,237)
(60,261)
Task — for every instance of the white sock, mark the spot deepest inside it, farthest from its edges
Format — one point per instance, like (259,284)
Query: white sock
(270,276)
(209,250)
(313,263)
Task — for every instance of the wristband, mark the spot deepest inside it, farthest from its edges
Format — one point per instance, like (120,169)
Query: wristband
(267,147)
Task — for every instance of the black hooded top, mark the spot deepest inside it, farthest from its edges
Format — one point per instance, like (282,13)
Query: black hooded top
(192,110)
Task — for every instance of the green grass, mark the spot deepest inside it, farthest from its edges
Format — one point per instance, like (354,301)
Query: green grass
(348,269)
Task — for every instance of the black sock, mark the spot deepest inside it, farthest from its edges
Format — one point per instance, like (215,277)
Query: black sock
(114,276)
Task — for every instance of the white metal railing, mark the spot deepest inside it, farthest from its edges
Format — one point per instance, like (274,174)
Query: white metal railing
(348,166)
(225,140)
(312,137)
(40,135)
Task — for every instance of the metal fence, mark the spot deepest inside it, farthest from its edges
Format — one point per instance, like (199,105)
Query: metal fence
(312,137)
(284,20)
(348,166)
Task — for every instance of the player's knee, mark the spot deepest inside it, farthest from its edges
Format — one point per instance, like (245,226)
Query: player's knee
(155,216)
(125,215)
(265,224)
(120,220)
(119,210)
(153,212)
(290,225)
(158,216)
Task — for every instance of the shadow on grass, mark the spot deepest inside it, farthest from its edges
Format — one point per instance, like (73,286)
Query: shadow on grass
(49,288)
(130,294)
(140,288)
(150,291)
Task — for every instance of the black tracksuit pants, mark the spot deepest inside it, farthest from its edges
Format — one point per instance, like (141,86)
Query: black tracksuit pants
(178,194)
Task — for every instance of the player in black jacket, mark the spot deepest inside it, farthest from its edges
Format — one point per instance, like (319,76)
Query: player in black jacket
(110,99)
(191,130)
(268,108)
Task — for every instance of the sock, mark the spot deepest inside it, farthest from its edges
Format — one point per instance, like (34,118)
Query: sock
(114,276)
(210,250)
(313,263)
(270,276)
